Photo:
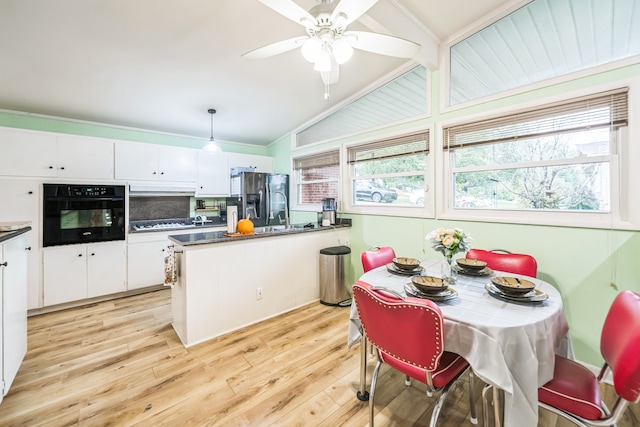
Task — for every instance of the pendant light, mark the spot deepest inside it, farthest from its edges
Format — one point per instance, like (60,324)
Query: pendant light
(211,146)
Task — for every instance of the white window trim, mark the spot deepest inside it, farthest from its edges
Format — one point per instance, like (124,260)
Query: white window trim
(425,211)
(625,202)
(294,181)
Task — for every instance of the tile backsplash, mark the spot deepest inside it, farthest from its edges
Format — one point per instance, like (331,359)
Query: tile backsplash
(158,207)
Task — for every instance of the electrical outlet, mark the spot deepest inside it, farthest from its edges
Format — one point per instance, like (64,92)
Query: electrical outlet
(259,294)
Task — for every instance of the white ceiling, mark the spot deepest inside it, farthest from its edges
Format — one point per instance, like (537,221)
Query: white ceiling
(160,64)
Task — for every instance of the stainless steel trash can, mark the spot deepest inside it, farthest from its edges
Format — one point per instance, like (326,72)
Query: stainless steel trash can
(335,270)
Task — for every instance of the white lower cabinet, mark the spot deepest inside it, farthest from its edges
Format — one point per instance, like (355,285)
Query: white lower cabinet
(146,264)
(77,272)
(13,301)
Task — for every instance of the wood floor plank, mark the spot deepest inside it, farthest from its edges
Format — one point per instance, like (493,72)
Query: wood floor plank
(119,363)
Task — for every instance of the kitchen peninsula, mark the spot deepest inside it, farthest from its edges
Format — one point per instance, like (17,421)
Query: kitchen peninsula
(225,283)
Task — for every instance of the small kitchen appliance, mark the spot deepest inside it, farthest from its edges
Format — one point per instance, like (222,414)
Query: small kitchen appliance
(328,211)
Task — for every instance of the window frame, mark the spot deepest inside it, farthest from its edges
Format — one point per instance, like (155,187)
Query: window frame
(625,208)
(425,211)
(295,179)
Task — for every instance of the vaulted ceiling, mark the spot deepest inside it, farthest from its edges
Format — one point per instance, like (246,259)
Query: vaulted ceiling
(160,64)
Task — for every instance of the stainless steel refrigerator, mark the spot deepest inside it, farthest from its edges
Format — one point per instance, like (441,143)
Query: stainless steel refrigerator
(262,197)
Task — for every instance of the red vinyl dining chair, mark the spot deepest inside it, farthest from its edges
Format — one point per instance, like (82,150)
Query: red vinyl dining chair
(408,335)
(506,261)
(377,256)
(574,394)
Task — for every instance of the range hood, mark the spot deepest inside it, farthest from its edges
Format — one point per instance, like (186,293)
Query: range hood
(161,189)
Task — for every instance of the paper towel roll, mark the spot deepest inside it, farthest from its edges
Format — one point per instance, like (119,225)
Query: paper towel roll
(232,219)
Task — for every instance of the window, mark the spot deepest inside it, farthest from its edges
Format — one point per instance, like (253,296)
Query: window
(390,171)
(542,40)
(555,158)
(316,177)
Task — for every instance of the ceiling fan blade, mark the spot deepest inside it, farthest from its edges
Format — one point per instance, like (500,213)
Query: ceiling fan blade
(275,48)
(383,44)
(352,9)
(291,10)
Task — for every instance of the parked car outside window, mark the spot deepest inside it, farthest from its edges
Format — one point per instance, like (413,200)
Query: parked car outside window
(369,190)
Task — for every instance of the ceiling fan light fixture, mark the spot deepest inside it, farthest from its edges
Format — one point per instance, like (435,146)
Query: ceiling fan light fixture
(342,50)
(311,49)
(211,146)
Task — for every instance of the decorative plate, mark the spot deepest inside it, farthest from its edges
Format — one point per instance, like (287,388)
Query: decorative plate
(391,268)
(533,296)
(406,263)
(470,264)
(513,285)
(446,295)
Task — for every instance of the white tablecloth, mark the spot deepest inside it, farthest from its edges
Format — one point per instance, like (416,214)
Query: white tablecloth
(508,345)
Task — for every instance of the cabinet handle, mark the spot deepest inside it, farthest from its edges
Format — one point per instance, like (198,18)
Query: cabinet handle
(79,254)
(62,167)
(27,248)
(4,264)
(50,167)
(161,173)
(154,173)
(30,192)
(92,254)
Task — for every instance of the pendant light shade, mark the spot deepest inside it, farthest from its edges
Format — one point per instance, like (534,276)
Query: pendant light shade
(211,146)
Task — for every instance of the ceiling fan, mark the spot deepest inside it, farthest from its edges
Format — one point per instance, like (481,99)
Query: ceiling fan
(328,43)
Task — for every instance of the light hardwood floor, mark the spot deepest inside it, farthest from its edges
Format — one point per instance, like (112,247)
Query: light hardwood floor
(119,363)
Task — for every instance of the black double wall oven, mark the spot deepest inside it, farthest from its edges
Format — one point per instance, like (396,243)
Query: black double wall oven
(82,214)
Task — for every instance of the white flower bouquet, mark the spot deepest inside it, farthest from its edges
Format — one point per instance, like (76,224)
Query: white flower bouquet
(449,241)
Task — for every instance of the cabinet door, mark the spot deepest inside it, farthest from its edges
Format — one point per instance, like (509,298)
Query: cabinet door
(14,306)
(136,161)
(105,269)
(27,153)
(22,198)
(177,164)
(90,158)
(65,274)
(261,163)
(146,264)
(213,174)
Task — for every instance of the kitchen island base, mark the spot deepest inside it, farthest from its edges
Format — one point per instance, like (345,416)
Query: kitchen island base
(225,286)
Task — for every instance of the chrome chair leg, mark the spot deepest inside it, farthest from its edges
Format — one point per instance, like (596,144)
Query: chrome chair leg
(472,399)
(374,380)
(363,394)
(496,406)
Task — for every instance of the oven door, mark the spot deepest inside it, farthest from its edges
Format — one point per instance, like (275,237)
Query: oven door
(82,214)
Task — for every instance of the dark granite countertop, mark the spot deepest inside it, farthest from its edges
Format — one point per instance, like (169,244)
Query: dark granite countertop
(261,232)
(6,235)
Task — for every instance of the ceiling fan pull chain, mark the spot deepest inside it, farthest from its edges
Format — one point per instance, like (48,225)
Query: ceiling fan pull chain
(327,95)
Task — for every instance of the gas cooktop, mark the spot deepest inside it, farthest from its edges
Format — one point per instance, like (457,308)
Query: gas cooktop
(161,224)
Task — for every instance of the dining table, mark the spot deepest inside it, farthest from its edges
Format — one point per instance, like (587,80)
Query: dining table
(510,345)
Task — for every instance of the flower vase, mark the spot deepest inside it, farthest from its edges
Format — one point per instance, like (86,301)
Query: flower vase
(449,270)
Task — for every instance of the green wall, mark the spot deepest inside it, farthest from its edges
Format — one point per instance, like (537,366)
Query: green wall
(587,266)
(48,124)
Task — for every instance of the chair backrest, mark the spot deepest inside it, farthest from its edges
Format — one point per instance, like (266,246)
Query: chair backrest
(508,262)
(409,330)
(375,257)
(620,344)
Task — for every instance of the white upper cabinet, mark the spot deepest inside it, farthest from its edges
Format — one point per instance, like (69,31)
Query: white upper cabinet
(213,174)
(149,162)
(83,157)
(27,153)
(261,163)
(43,154)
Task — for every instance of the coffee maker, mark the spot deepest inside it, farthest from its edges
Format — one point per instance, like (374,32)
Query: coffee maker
(328,211)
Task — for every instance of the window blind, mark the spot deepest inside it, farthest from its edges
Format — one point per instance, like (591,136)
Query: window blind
(329,158)
(406,145)
(607,109)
